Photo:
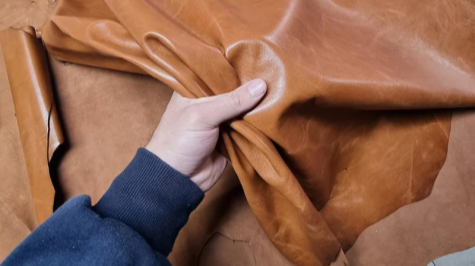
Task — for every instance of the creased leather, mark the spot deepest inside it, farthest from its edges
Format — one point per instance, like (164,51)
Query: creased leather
(339,142)
(36,115)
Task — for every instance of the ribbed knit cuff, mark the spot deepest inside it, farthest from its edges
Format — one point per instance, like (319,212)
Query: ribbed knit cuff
(152,198)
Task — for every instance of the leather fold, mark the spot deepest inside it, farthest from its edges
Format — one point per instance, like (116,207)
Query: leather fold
(354,124)
(36,114)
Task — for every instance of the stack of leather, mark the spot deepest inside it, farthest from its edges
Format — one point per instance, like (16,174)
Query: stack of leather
(347,134)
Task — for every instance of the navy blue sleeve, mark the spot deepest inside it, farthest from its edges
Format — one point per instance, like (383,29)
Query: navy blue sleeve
(134,223)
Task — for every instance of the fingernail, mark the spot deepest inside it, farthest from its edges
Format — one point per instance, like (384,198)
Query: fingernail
(257,87)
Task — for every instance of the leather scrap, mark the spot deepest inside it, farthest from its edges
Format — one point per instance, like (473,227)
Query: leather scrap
(37,117)
(347,133)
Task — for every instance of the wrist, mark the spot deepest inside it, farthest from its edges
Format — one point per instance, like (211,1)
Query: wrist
(164,157)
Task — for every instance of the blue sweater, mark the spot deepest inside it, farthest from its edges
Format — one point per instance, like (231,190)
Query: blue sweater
(134,223)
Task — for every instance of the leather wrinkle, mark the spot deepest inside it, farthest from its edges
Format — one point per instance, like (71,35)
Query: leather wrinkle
(350,130)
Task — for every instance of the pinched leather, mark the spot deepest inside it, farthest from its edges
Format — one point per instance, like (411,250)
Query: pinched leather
(347,132)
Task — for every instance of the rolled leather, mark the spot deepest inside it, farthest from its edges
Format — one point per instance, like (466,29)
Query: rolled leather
(36,115)
(348,131)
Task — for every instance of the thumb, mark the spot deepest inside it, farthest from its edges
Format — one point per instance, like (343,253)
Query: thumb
(217,109)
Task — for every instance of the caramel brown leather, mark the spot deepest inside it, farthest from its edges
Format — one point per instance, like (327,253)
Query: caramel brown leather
(36,115)
(326,154)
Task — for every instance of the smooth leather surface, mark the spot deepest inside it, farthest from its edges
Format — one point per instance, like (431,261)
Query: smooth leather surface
(325,154)
(36,115)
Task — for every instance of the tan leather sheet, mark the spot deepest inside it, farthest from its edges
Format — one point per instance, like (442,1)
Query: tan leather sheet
(327,153)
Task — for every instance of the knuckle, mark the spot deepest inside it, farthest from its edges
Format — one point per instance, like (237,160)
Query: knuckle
(186,102)
(235,100)
(194,120)
(193,115)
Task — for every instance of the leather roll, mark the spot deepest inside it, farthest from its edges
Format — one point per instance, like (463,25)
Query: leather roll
(353,125)
(36,114)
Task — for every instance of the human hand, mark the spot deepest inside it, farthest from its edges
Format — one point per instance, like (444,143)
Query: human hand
(188,132)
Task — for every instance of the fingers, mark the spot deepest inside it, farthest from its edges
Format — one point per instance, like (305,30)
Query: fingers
(217,109)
